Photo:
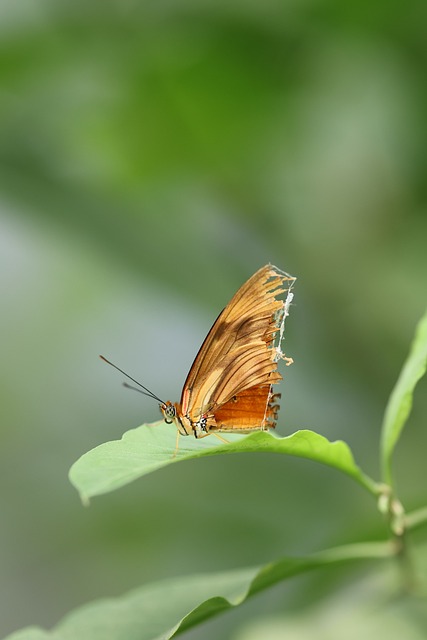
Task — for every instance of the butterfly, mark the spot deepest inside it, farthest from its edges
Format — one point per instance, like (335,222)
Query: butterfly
(229,385)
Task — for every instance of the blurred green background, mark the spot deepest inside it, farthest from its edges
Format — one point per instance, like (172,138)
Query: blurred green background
(153,155)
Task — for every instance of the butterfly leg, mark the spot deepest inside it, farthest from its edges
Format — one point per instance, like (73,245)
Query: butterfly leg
(176,444)
(212,433)
(221,438)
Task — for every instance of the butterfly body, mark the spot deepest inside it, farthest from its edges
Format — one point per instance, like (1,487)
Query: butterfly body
(229,386)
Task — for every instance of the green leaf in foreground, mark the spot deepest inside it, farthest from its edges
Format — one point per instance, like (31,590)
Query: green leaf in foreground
(400,401)
(150,447)
(157,611)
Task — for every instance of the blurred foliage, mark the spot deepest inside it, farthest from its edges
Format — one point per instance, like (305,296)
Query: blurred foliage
(152,156)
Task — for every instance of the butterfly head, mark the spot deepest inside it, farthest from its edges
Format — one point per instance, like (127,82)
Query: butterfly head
(168,411)
(172,412)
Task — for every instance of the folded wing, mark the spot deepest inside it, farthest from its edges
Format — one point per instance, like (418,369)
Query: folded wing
(240,353)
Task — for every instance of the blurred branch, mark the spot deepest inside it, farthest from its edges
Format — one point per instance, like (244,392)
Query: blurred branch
(416,518)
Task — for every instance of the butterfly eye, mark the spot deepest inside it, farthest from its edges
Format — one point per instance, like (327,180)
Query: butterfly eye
(168,411)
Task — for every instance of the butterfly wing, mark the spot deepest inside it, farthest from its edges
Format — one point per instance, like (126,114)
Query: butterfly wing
(239,355)
(251,409)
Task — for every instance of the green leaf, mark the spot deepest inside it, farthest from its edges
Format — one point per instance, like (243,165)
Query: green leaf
(358,609)
(400,401)
(150,447)
(157,611)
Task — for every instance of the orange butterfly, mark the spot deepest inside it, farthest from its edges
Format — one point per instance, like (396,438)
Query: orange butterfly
(229,386)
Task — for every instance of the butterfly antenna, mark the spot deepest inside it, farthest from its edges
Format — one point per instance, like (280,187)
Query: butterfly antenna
(129,386)
(146,391)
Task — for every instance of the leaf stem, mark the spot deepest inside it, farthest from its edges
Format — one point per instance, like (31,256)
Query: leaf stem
(416,518)
(392,508)
(409,579)
(365,481)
